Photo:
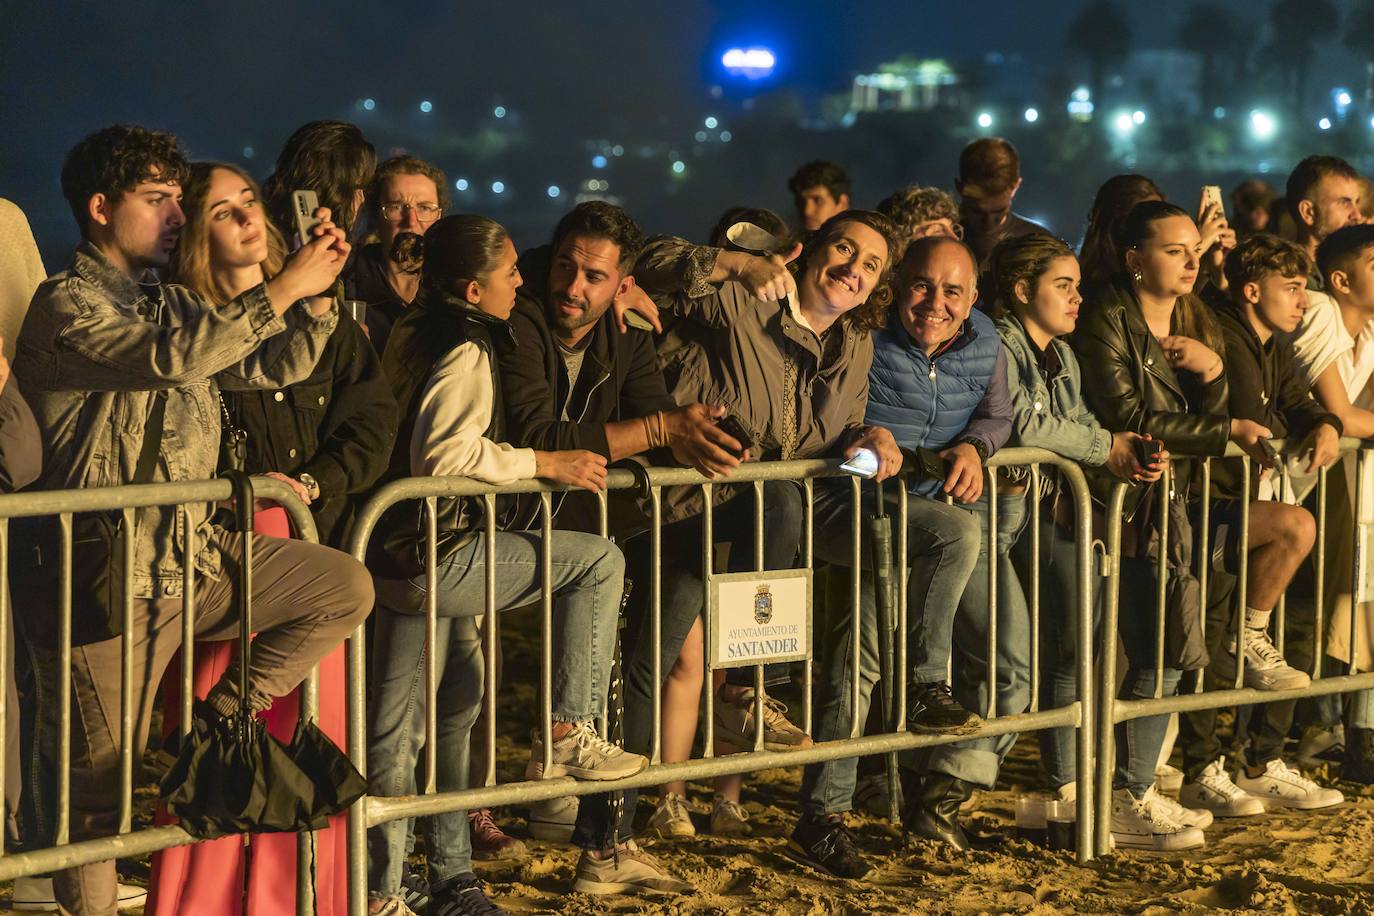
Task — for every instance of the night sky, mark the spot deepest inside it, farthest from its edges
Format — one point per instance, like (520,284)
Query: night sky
(225,76)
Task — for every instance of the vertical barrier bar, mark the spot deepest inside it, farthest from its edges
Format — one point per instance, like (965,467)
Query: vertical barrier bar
(188,624)
(1035,589)
(1083,572)
(656,616)
(64,690)
(856,724)
(604,529)
(1161,578)
(357,753)
(431,645)
(1358,560)
(903,571)
(5,674)
(491,624)
(1242,572)
(1204,571)
(1319,579)
(1106,724)
(1284,495)
(992,594)
(708,527)
(126,678)
(758,566)
(546,624)
(808,561)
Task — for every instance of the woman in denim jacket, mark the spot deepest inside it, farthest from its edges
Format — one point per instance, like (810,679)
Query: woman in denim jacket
(1034,287)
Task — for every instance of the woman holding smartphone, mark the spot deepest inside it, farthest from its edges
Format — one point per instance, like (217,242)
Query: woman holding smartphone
(328,438)
(1150,353)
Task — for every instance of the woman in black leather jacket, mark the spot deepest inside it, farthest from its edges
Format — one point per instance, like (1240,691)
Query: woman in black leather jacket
(1151,362)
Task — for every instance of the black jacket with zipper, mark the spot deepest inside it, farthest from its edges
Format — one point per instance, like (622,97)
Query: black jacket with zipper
(1130,386)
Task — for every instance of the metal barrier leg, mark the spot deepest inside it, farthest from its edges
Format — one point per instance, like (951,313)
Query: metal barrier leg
(1106,722)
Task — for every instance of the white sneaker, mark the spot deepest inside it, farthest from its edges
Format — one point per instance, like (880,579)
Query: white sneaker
(32,894)
(672,817)
(1168,779)
(729,818)
(631,871)
(1265,667)
(1143,823)
(1200,818)
(583,754)
(552,820)
(1280,785)
(1215,792)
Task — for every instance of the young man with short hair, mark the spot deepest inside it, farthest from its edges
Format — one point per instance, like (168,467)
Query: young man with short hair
(989,177)
(105,349)
(819,189)
(1266,278)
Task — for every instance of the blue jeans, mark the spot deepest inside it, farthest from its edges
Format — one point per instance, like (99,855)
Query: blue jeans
(942,545)
(979,759)
(587,577)
(1139,741)
(1059,642)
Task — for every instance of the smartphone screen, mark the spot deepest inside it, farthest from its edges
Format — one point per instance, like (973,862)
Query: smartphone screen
(864,463)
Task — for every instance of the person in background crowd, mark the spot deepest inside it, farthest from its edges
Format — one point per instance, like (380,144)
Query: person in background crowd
(922,211)
(404,198)
(97,345)
(1250,203)
(1098,256)
(1036,300)
(1334,351)
(1366,198)
(580,379)
(930,349)
(1150,355)
(442,363)
(820,190)
(1322,194)
(326,437)
(331,158)
(21,270)
(1266,279)
(989,177)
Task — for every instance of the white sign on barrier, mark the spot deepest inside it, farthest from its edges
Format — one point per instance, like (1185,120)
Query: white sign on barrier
(760,617)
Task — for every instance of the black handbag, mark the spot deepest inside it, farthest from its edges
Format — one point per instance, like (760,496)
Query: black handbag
(98,545)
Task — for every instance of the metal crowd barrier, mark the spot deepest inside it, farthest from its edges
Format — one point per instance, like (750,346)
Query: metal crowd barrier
(374,810)
(1113,711)
(127,842)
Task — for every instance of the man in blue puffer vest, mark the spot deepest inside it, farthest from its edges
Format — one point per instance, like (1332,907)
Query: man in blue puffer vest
(938,382)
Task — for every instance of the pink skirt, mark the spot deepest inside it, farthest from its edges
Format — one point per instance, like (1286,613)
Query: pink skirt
(206,878)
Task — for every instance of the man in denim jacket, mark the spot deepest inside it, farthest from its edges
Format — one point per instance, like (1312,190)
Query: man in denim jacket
(100,343)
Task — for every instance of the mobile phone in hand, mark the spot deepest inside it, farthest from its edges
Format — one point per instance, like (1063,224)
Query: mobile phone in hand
(1211,194)
(863,463)
(304,203)
(1146,451)
(1271,454)
(734,427)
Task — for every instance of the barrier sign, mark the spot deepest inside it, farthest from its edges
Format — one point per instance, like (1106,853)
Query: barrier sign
(760,617)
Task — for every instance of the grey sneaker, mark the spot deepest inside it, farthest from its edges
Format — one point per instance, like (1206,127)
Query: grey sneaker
(734,724)
(672,817)
(1265,666)
(583,754)
(36,894)
(631,871)
(729,818)
(388,906)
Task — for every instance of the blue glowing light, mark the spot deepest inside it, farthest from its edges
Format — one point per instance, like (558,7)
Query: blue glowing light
(679,167)
(498,187)
(554,190)
(499,111)
(598,161)
(369,104)
(426,106)
(750,63)
(461,184)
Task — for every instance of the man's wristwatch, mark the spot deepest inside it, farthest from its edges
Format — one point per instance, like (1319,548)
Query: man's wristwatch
(312,486)
(978,447)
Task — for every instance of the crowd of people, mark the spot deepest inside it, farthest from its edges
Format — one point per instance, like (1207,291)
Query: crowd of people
(203,325)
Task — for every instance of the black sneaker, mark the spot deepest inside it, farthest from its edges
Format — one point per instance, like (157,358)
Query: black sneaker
(825,843)
(932,710)
(414,889)
(462,896)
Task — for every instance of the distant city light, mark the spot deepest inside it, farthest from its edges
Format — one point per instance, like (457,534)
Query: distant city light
(1080,104)
(1138,116)
(554,190)
(1371,122)
(461,184)
(711,123)
(369,104)
(498,187)
(1324,124)
(1081,94)
(1032,115)
(984,119)
(1262,125)
(598,161)
(248,152)
(1219,112)
(499,111)
(617,150)
(1343,97)
(426,106)
(679,167)
(726,136)
(750,63)
(700,136)
(1124,123)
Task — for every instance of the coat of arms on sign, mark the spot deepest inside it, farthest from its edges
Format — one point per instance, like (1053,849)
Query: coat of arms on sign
(763,605)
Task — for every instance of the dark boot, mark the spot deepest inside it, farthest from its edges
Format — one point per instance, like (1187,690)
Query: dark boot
(932,810)
(1358,763)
